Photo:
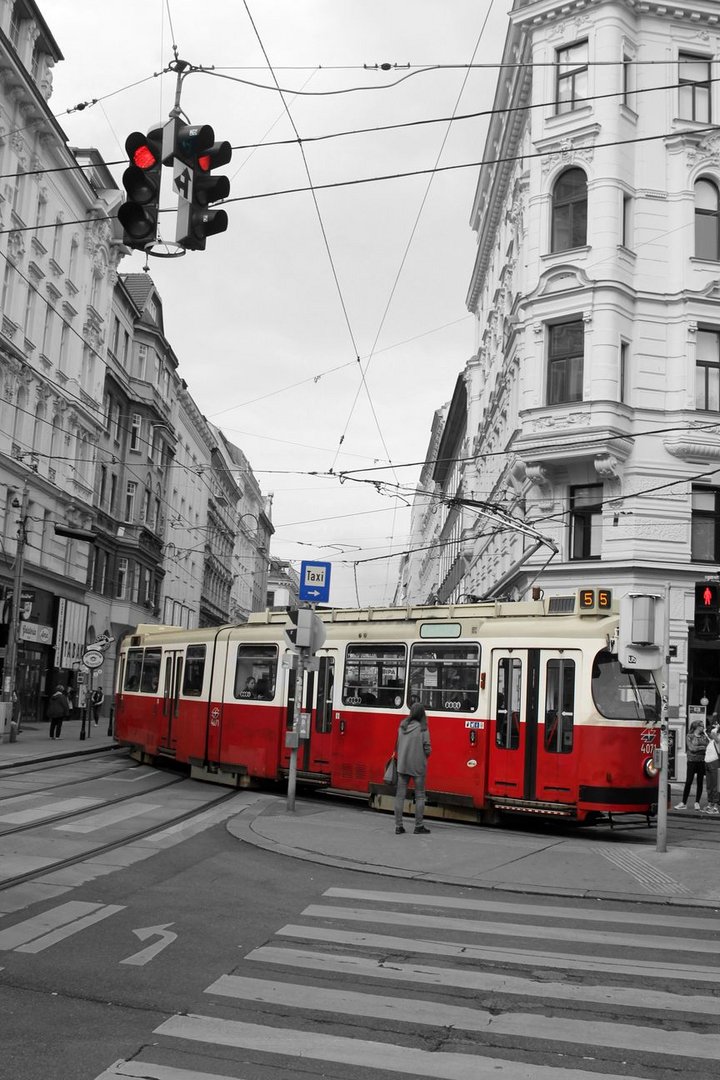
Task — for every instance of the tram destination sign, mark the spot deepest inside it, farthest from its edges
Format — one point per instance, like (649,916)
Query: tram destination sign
(315,582)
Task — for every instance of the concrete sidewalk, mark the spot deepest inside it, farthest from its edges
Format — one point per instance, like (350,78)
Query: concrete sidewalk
(540,859)
(34,744)
(621,864)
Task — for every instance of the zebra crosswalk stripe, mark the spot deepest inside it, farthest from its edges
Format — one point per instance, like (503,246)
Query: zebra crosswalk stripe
(295,1043)
(481,1011)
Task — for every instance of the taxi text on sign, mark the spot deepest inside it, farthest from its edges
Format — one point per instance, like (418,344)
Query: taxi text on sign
(315,582)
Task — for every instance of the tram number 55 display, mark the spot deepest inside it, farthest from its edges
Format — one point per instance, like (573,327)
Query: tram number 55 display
(595,599)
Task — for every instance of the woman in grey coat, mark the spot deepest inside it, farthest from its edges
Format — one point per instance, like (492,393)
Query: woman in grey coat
(412,750)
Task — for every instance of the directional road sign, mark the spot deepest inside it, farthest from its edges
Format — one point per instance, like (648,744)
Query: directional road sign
(315,582)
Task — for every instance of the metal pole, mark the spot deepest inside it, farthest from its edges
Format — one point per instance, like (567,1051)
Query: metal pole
(661,844)
(11,651)
(297,709)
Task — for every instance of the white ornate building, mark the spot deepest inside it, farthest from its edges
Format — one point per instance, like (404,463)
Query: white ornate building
(590,411)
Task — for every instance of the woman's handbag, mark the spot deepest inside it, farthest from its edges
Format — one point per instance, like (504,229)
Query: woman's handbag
(390,775)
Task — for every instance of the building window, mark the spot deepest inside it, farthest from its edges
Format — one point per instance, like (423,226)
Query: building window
(705,542)
(707,221)
(627,79)
(626,224)
(572,77)
(135,431)
(72,266)
(569,210)
(113,493)
(694,93)
(707,370)
(121,581)
(585,521)
(116,420)
(130,493)
(565,362)
(622,374)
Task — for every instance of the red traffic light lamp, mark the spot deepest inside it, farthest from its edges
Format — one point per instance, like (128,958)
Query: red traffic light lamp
(139,213)
(707,610)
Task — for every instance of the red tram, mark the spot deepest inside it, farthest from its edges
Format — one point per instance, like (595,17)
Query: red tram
(528,706)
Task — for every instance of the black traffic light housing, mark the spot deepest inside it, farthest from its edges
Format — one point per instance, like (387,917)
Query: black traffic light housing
(707,610)
(195,155)
(138,215)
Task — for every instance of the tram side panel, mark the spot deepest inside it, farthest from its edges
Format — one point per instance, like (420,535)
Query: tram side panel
(248,710)
(375,687)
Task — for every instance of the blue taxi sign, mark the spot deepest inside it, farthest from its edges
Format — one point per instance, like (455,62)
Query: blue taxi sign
(315,582)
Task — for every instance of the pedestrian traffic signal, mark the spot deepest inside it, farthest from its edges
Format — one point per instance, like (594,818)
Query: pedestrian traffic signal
(196,154)
(138,215)
(707,610)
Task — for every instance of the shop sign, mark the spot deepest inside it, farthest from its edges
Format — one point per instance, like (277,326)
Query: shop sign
(72,620)
(41,635)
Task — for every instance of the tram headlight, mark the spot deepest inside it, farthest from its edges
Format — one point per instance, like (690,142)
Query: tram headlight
(650,769)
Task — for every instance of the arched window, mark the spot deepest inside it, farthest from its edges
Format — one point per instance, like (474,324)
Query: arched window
(707,220)
(569,210)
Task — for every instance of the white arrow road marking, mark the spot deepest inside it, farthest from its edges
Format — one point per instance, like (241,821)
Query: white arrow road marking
(145,955)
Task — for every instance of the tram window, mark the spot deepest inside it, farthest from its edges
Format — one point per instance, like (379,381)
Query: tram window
(133,670)
(375,675)
(194,670)
(559,706)
(507,703)
(444,678)
(623,695)
(150,680)
(255,672)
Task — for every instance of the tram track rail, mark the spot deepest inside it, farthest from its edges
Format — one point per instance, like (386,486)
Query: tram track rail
(64,783)
(102,849)
(70,814)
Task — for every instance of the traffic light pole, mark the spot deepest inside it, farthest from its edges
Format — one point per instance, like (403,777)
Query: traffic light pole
(293,736)
(662,811)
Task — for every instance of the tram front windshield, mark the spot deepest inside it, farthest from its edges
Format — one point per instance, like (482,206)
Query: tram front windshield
(620,694)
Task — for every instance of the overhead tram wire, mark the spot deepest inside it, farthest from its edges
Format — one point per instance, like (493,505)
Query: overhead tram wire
(380,178)
(408,245)
(351,131)
(324,234)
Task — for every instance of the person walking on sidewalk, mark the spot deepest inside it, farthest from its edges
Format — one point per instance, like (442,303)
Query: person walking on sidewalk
(58,710)
(695,746)
(412,750)
(712,761)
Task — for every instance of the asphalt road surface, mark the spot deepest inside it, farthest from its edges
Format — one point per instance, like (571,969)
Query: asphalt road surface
(139,939)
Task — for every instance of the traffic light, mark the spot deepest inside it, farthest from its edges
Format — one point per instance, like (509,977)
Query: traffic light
(196,154)
(307,630)
(138,215)
(707,610)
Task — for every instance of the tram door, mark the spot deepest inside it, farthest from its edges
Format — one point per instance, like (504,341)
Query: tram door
(532,752)
(317,702)
(172,673)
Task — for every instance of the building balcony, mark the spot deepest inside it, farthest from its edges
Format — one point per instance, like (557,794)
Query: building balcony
(579,430)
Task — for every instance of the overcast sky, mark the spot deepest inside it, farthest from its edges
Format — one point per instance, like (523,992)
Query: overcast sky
(267,340)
